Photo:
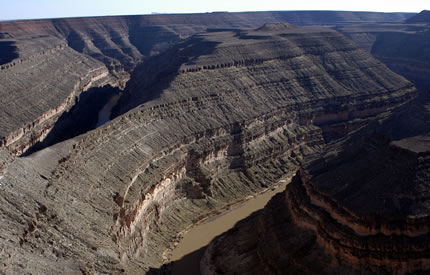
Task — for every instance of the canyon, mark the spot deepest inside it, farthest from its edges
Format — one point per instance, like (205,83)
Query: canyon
(119,134)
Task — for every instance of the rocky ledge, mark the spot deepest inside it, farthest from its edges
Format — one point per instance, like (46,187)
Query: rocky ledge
(363,208)
(50,83)
(215,118)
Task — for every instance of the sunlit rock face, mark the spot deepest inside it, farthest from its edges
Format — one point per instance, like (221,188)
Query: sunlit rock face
(69,56)
(361,207)
(206,122)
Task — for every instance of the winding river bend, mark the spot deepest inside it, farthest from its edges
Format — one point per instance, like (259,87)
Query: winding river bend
(187,254)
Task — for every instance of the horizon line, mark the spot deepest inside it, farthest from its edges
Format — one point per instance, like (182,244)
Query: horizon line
(194,13)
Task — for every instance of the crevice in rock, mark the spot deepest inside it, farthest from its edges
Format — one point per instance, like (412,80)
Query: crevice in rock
(90,111)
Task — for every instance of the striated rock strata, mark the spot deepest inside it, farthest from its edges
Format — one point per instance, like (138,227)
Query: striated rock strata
(222,115)
(48,84)
(115,44)
(402,47)
(363,208)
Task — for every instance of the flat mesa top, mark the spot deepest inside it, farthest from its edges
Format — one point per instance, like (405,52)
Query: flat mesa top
(244,36)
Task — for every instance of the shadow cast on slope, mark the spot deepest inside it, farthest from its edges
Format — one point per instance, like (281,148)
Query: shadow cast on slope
(149,39)
(189,264)
(116,46)
(155,75)
(8,52)
(411,119)
(406,54)
(81,118)
(375,172)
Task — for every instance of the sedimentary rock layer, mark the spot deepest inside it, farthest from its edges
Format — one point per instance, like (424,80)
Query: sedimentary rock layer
(402,47)
(310,230)
(119,42)
(362,208)
(223,115)
(421,18)
(36,89)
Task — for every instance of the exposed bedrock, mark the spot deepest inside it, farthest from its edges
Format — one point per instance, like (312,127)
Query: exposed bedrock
(82,117)
(402,47)
(49,85)
(421,18)
(229,116)
(363,208)
(121,42)
(313,230)
(406,54)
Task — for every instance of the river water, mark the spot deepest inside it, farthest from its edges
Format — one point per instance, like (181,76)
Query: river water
(187,254)
(105,112)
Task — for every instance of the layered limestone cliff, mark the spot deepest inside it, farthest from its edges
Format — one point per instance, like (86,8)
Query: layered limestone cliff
(38,88)
(222,116)
(119,43)
(314,230)
(361,208)
(402,47)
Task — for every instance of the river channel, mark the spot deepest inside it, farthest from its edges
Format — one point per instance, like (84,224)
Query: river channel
(187,254)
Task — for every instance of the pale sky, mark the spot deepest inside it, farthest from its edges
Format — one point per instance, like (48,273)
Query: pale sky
(28,9)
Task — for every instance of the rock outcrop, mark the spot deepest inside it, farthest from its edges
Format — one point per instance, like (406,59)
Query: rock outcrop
(402,47)
(109,48)
(421,18)
(363,208)
(38,88)
(121,41)
(221,116)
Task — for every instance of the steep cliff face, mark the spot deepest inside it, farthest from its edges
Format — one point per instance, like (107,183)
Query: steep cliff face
(407,54)
(121,41)
(402,47)
(40,86)
(109,48)
(224,115)
(363,208)
(313,229)
(421,18)
(298,51)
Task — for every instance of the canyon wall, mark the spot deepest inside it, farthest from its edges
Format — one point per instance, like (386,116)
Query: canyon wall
(37,89)
(322,224)
(360,208)
(50,51)
(121,41)
(222,116)
(402,47)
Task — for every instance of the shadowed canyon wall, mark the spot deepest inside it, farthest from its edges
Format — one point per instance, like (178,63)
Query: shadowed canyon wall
(213,108)
(223,116)
(361,211)
(110,48)
(402,47)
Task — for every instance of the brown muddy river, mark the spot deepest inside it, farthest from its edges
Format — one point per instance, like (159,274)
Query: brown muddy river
(186,256)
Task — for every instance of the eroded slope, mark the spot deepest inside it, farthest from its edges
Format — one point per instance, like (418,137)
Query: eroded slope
(224,115)
(361,208)
(118,42)
(38,88)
